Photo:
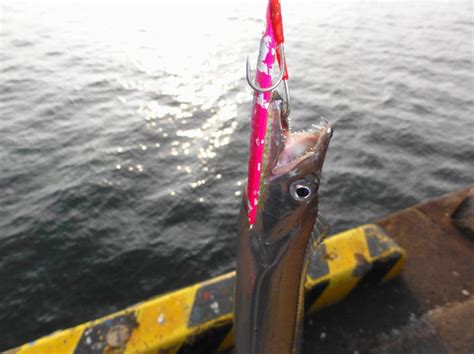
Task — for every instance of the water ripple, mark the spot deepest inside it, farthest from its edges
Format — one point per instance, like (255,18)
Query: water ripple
(124,142)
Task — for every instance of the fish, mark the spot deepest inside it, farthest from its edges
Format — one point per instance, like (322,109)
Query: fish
(273,251)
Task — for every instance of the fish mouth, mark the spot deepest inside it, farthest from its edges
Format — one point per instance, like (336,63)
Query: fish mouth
(303,149)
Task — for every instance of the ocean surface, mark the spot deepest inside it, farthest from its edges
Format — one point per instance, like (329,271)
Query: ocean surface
(124,136)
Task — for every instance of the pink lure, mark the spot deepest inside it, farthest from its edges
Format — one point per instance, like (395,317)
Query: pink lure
(263,77)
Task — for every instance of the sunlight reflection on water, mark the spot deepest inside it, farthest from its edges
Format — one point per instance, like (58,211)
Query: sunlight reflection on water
(125,133)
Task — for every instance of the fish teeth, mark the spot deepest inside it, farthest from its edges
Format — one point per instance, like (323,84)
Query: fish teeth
(323,123)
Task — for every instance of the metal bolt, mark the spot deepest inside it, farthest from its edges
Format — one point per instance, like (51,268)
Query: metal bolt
(117,336)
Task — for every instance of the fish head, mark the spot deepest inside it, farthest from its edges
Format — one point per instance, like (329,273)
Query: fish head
(273,252)
(288,198)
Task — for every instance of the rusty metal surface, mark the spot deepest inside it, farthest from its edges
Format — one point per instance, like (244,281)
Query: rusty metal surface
(417,312)
(440,261)
(447,329)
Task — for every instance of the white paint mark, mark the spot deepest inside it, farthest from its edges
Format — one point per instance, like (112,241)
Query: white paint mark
(261,101)
(215,307)
(161,319)
(264,49)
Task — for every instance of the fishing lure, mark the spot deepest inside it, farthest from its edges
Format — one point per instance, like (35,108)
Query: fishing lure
(271,43)
(279,210)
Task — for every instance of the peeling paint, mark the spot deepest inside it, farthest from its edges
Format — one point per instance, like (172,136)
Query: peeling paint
(261,101)
(262,66)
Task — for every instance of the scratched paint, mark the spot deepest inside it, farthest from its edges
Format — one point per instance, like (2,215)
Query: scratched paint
(263,78)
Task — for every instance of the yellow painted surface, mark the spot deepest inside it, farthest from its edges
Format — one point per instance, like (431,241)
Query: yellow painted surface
(341,254)
(397,268)
(227,343)
(162,322)
(58,342)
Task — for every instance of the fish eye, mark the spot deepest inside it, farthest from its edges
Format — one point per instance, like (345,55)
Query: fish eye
(301,190)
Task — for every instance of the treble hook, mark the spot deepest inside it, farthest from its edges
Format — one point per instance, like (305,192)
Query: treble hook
(286,111)
(287,106)
(280,78)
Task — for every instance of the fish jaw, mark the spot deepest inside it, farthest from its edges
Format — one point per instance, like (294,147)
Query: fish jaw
(290,184)
(271,255)
(293,163)
(298,153)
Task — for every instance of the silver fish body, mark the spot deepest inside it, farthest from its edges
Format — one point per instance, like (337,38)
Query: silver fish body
(272,253)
